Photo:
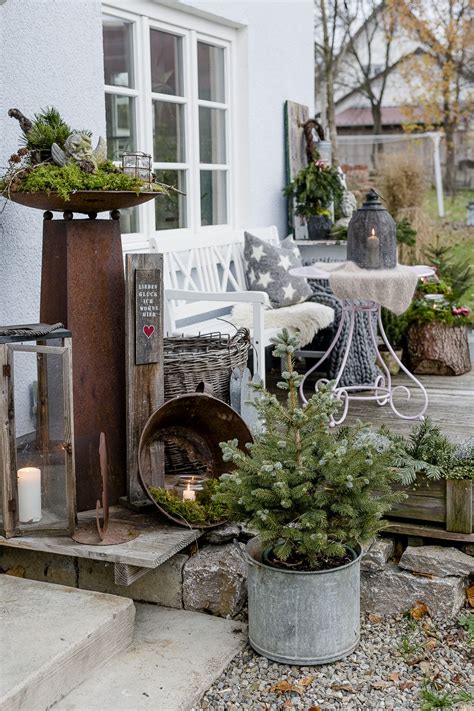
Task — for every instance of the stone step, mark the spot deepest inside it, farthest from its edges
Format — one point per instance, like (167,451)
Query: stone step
(175,656)
(53,637)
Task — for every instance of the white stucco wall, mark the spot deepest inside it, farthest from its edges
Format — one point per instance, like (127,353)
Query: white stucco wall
(276,50)
(50,54)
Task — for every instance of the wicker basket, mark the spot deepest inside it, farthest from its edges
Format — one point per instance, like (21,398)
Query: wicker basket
(190,361)
(209,358)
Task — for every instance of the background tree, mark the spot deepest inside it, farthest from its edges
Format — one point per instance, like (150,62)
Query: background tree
(367,57)
(440,74)
(329,35)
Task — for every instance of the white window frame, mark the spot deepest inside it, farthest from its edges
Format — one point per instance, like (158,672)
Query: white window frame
(193,29)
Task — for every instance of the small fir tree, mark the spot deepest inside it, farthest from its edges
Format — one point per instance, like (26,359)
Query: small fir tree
(306,490)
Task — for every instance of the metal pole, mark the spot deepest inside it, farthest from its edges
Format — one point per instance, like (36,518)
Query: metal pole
(436,138)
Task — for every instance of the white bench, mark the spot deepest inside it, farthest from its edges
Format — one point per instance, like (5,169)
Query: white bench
(203,282)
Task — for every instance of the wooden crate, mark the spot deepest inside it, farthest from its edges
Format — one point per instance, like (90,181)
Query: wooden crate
(447,502)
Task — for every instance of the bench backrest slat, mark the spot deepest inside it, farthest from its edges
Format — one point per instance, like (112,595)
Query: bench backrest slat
(214,263)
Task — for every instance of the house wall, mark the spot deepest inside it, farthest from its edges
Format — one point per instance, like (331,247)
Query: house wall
(51,54)
(276,54)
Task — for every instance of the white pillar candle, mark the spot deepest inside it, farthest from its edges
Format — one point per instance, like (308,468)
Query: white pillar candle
(29,494)
(189,494)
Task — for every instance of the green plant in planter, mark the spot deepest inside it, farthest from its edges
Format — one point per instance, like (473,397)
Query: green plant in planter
(200,512)
(307,491)
(429,452)
(47,128)
(406,233)
(395,327)
(314,188)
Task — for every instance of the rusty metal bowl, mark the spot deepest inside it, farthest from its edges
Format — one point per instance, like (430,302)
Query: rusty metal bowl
(84,201)
(197,423)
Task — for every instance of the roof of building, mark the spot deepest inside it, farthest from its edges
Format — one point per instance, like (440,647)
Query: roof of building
(362,116)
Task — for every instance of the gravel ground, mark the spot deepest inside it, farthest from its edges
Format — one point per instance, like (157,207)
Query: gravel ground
(398,658)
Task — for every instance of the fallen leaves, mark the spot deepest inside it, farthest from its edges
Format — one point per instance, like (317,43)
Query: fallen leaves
(419,610)
(314,708)
(430,645)
(344,687)
(298,687)
(17,571)
(380,684)
(470,595)
(375,619)
(394,676)
(283,686)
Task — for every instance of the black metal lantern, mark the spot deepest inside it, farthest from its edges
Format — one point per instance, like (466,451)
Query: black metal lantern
(372,236)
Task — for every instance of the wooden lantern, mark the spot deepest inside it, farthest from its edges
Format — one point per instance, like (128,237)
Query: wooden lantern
(37,479)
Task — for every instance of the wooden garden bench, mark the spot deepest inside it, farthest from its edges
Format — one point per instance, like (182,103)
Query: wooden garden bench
(203,282)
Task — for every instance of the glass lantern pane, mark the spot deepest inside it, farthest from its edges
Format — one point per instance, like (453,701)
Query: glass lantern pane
(166,58)
(40,438)
(117,39)
(212,135)
(211,80)
(168,132)
(213,197)
(170,210)
(120,122)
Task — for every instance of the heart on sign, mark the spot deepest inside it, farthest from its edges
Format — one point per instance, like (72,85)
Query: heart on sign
(148,331)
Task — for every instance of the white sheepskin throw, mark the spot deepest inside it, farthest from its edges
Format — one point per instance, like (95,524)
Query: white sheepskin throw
(306,318)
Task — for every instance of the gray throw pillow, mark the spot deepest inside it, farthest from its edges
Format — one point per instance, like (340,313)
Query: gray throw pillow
(267,267)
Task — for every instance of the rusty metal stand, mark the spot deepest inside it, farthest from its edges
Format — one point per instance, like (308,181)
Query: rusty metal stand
(103,532)
(82,286)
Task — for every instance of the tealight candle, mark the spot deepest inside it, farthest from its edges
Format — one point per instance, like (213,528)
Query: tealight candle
(189,494)
(29,494)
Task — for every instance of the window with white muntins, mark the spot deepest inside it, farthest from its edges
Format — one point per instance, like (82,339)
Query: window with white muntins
(168,93)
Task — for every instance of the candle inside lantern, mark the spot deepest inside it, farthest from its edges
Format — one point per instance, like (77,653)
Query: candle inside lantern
(29,494)
(373,250)
(189,494)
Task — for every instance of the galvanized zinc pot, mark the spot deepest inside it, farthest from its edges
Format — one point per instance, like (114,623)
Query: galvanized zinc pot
(300,617)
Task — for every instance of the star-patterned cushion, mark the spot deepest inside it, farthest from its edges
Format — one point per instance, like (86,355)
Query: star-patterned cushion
(267,267)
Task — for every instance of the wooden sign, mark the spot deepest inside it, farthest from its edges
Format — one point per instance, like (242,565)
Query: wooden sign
(144,365)
(295,116)
(148,315)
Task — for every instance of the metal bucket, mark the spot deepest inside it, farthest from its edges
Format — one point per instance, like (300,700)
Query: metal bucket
(303,617)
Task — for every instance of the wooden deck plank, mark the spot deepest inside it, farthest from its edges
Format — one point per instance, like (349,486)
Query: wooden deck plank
(156,543)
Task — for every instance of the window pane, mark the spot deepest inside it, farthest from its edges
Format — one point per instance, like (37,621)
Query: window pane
(168,132)
(170,211)
(213,197)
(166,63)
(212,135)
(129,220)
(117,38)
(120,120)
(211,72)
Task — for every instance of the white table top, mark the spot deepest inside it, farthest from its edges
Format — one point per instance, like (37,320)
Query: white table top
(320,270)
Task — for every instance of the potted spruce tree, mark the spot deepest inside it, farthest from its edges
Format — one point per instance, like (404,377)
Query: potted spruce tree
(314,189)
(313,496)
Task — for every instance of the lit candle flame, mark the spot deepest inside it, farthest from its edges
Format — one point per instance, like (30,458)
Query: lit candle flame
(372,234)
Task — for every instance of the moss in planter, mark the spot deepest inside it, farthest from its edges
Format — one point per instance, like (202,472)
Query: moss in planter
(64,180)
(201,512)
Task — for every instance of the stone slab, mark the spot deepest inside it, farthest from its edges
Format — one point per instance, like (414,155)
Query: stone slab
(53,637)
(377,554)
(392,591)
(437,560)
(176,655)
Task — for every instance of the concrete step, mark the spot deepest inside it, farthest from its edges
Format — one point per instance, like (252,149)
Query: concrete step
(53,637)
(176,655)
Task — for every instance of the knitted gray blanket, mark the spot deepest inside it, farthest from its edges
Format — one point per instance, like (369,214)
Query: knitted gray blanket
(360,367)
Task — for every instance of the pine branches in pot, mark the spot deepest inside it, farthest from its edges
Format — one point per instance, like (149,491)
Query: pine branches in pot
(314,189)
(313,496)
